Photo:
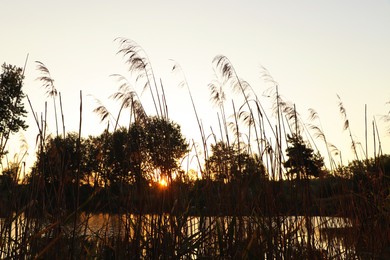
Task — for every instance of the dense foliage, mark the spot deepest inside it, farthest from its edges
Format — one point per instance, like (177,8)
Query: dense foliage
(12,109)
(125,156)
(227,164)
(302,161)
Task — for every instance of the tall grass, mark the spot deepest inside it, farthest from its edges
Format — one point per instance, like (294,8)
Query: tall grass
(260,217)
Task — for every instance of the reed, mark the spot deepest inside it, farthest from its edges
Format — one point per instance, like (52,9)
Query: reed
(102,197)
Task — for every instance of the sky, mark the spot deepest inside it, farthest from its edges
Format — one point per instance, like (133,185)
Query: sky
(314,50)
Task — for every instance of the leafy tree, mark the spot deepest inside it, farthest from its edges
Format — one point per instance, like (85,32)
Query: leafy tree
(117,157)
(12,108)
(10,176)
(136,152)
(165,145)
(57,170)
(301,159)
(220,161)
(100,159)
(132,155)
(124,155)
(365,172)
(227,163)
(91,162)
(97,151)
(59,161)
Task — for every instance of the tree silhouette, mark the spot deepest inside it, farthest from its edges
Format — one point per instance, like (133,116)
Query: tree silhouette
(301,159)
(58,169)
(133,155)
(165,145)
(124,155)
(58,161)
(12,108)
(227,163)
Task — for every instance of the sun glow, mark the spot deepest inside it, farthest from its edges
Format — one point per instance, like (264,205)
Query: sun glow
(163,183)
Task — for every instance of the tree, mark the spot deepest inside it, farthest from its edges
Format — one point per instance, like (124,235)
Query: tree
(133,155)
(10,176)
(165,145)
(221,160)
(227,163)
(59,161)
(12,108)
(366,172)
(124,155)
(57,171)
(301,159)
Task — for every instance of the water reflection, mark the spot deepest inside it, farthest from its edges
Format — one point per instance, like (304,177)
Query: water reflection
(195,236)
(324,234)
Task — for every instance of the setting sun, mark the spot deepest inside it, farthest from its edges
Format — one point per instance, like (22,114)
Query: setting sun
(163,183)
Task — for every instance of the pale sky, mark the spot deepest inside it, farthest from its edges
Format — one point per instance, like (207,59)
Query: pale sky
(313,49)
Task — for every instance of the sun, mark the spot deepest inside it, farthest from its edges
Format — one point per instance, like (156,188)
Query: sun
(163,183)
